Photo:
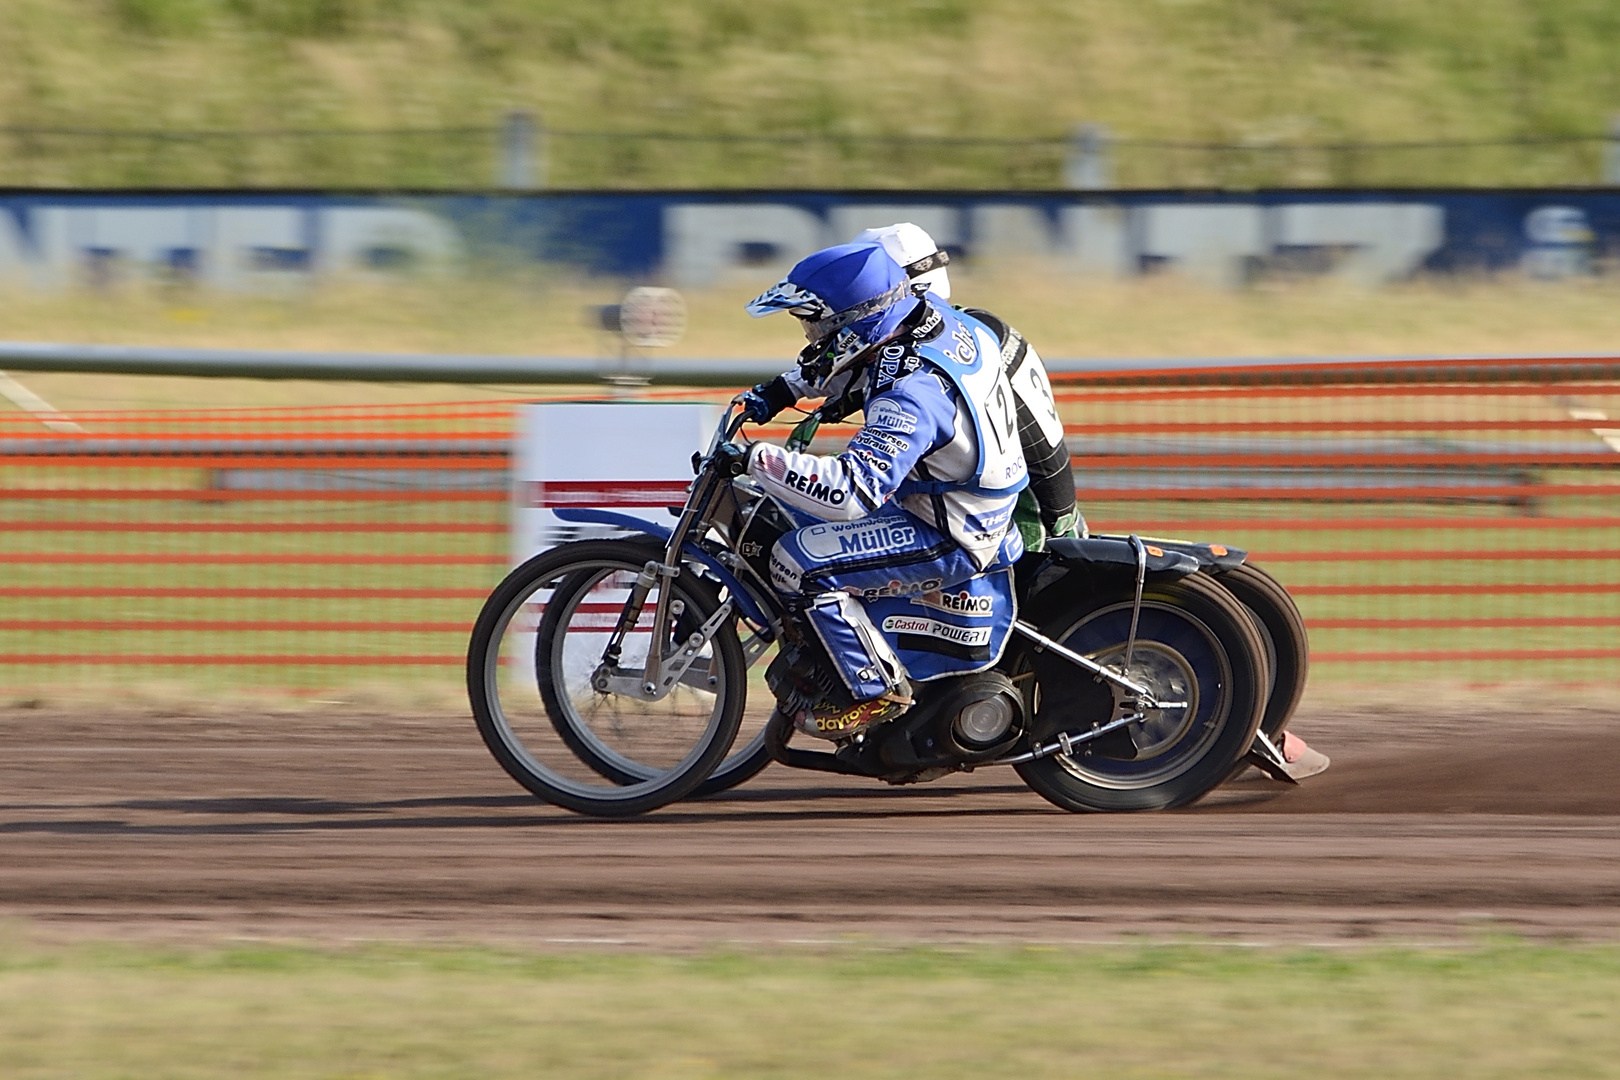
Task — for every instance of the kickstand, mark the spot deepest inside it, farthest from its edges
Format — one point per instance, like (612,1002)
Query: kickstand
(1264,755)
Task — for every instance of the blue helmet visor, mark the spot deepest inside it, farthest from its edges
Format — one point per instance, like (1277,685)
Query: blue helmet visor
(786,296)
(819,318)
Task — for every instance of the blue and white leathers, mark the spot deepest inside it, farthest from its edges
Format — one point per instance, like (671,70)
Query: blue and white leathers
(940,439)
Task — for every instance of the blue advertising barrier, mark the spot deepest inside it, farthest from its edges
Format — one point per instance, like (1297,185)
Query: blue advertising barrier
(253,241)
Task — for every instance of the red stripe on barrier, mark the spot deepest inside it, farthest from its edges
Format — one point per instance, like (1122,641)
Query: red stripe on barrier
(1572,588)
(1204,427)
(208,495)
(289,460)
(495,409)
(359,439)
(1359,493)
(602,493)
(81,558)
(212,625)
(1186,527)
(1432,656)
(239,660)
(110,592)
(1109,395)
(1420,555)
(251,527)
(1365,367)
(1368,460)
(1525,623)
(1352,372)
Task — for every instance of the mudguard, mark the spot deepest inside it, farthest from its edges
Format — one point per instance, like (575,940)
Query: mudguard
(1215,558)
(1117,551)
(745,599)
(1088,563)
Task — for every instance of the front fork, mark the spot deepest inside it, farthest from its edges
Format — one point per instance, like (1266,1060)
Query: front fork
(655,681)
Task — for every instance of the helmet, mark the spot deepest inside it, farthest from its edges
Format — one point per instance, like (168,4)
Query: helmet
(912,247)
(848,297)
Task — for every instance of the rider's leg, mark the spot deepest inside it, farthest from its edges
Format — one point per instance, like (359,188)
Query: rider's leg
(826,566)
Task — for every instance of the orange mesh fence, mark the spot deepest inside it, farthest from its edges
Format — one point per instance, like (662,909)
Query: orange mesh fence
(1455,518)
(281,546)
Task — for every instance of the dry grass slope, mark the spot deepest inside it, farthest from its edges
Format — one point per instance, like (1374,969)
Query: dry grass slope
(1266,71)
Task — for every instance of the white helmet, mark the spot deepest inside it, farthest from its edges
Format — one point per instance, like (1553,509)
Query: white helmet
(914,249)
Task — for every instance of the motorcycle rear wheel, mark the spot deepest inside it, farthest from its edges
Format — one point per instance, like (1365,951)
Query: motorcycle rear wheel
(1282,628)
(1195,643)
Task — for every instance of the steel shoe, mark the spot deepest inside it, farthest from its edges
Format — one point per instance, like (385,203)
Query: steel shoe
(1302,760)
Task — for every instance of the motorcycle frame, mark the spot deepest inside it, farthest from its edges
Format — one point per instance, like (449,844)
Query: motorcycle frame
(766,610)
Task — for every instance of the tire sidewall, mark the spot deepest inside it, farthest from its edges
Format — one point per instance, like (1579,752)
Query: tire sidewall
(493,617)
(1244,698)
(1279,618)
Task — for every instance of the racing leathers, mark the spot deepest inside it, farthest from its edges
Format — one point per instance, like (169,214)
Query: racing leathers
(920,500)
(1046,508)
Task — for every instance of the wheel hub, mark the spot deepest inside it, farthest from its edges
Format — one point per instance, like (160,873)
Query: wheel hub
(1168,676)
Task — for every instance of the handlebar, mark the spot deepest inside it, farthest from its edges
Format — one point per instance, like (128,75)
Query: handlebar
(731,421)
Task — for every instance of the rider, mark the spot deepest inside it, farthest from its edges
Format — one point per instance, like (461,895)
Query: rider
(923,496)
(1046,508)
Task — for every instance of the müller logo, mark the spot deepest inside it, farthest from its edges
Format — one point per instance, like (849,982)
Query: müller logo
(960,603)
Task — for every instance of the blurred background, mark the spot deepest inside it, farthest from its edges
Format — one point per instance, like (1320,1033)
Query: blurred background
(1333,281)
(1144,187)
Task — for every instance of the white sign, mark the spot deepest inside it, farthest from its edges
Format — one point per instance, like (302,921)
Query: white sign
(629,458)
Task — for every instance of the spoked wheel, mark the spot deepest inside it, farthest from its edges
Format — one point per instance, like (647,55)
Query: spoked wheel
(617,762)
(1196,649)
(1282,629)
(532,675)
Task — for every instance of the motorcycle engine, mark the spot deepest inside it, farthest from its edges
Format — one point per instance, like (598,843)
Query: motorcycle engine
(802,679)
(985,721)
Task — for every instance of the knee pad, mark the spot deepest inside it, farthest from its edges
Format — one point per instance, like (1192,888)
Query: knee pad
(866,663)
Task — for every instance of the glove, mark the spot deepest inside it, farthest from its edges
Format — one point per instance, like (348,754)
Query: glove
(767,399)
(731,460)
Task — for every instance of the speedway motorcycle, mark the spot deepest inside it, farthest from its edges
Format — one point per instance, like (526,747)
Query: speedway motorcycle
(612,677)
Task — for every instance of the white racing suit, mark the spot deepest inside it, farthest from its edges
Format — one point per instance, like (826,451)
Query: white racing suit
(922,498)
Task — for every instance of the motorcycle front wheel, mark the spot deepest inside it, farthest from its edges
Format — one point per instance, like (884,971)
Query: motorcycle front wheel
(1196,647)
(531,666)
(748,755)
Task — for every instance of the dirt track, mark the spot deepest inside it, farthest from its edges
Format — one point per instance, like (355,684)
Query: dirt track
(338,827)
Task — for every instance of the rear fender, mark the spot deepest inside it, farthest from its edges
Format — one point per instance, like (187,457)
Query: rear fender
(1212,558)
(1093,564)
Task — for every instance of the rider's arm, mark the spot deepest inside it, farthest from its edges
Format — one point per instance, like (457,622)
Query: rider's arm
(903,425)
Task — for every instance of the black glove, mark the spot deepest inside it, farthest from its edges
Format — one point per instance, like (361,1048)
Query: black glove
(731,460)
(767,399)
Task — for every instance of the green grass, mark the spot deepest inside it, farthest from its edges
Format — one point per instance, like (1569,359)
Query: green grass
(1261,72)
(1492,1011)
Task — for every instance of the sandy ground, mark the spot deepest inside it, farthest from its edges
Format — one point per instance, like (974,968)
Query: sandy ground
(1433,826)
